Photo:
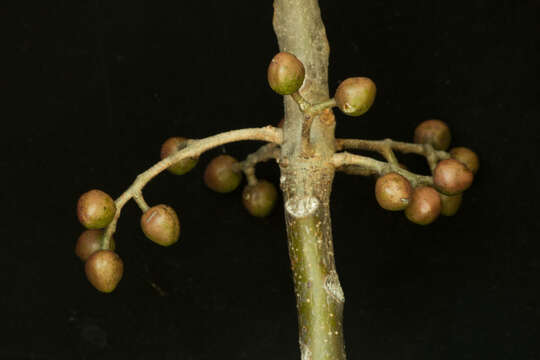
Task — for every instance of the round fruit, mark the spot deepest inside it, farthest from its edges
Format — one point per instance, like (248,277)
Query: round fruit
(393,192)
(173,145)
(424,206)
(354,96)
(104,270)
(450,204)
(161,225)
(467,157)
(452,177)
(95,209)
(89,242)
(260,199)
(220,175)
(434,132)
(286,73)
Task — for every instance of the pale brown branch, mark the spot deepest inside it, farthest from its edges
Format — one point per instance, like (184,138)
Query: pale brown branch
(264,153)
(367,165)
(193,149)
(385,148)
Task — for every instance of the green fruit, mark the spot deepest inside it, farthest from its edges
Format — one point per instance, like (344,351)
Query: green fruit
(95,209)
(173,145)
(161,225)
(89,242)
(452,177)
(393,192)
(104,270)
(259,199)
(354,96)
(450,204)
(424,206)
(220,174)
(467,157)
(434,132)
(285,73)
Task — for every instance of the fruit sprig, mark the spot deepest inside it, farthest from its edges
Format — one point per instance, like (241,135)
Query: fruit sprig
(99,213)
(422,197)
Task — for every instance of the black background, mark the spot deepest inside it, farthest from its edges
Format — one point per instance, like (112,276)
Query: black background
(98,86)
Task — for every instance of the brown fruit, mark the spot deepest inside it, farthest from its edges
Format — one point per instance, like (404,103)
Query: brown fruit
(104,270)
(354,96)
(467,157)
(281,123)
(393,192)
(434,132)
(220,175)
(424,206)
(173,145)
(285,73)
(89,242)
(450,204)
(260,199)
(95,209)
(452,177)
(161,225)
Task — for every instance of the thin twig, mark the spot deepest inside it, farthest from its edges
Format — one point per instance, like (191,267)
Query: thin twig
(193,149)
(372,166)
(264,153)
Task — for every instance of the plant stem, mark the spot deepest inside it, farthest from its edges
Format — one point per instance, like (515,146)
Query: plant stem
(306,182)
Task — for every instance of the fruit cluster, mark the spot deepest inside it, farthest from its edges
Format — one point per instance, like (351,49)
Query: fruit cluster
(96,210)
(451,177)
(354,96)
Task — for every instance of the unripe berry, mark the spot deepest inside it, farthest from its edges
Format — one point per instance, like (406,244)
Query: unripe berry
(161,225)
(452,177)
(286,73)
(393,192)
(89,242)
(450,204)
(467,157)
(95,209)
(220,175)
(104,270)
(354,96)
(173,145)
(434,132)
(425,205)
(260,199)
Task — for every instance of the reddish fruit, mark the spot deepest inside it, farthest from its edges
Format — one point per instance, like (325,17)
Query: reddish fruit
(89,242)
(220,175)
(173,145)
(161,225)
(354,96)
(104,270)
(260,199)
(286,73)
(424,206)
(450,204)
(95,209)
(434,132)
(467,157)
(393,192)
(452,177)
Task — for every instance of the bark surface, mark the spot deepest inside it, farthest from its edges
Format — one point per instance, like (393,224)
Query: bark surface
(307,173)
